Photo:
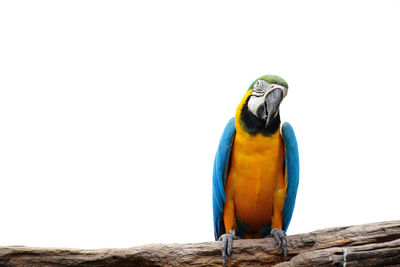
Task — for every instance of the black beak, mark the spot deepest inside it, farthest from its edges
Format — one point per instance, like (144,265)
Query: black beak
(272,102)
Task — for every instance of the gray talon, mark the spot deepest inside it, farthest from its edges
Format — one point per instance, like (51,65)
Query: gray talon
(227,242)
(280,239)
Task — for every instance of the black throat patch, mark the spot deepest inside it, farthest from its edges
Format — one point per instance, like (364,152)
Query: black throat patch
(254,125)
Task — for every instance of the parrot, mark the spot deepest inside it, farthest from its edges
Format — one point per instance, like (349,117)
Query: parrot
(256,170)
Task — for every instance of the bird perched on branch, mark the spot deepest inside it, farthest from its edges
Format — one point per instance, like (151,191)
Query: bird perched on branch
(256,169)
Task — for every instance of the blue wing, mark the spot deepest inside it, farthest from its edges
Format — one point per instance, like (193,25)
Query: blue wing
(292,172)
(221,164)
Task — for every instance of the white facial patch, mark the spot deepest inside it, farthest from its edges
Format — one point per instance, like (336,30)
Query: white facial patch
(254,103)
(260,91)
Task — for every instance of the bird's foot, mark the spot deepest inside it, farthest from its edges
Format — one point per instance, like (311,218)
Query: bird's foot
(280,239)
(227,242)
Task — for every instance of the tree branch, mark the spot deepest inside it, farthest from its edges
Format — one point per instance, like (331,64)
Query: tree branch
(364,245)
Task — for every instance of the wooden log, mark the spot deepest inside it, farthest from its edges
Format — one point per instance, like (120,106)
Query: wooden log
(363,245)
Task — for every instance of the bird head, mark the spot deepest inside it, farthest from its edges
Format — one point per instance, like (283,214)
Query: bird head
(266,96)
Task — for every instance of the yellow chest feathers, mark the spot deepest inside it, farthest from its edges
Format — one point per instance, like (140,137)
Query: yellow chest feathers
(257,158)
(256,171)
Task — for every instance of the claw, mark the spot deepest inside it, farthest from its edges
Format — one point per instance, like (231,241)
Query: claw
(280,239)
(227,243)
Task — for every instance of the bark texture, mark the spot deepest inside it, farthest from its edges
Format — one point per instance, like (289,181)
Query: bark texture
(376,244)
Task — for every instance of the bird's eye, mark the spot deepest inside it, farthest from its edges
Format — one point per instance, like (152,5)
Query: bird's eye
(260,87)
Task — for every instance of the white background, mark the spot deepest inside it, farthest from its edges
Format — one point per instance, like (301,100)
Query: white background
(111,113)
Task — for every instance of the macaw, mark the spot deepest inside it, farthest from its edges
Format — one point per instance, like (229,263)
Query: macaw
(256,169)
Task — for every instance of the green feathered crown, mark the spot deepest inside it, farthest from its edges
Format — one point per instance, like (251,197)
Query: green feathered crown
(271,79)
